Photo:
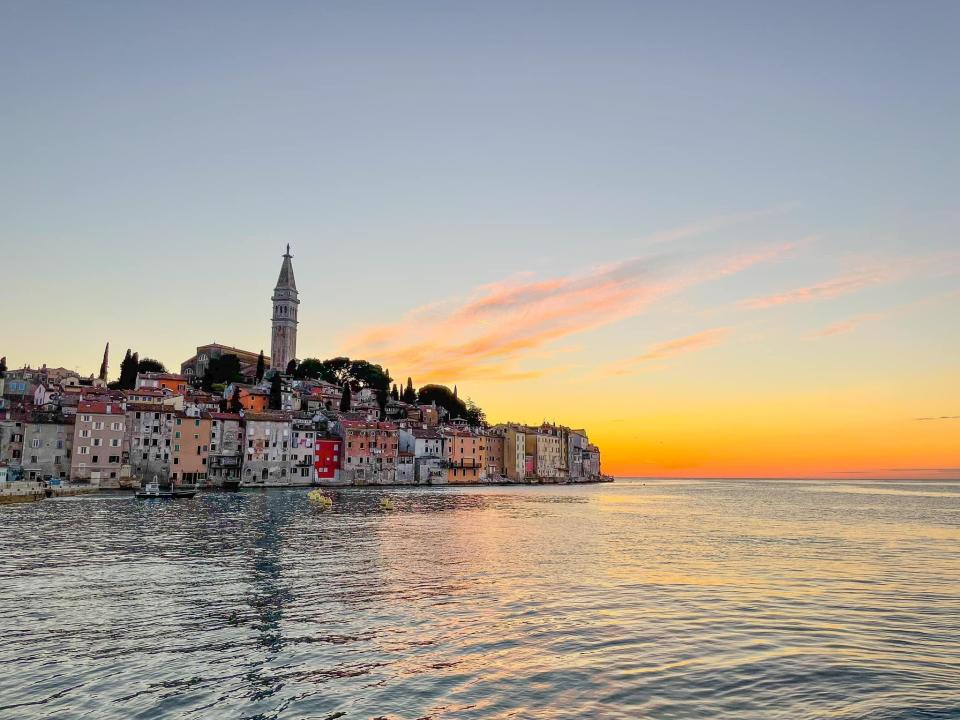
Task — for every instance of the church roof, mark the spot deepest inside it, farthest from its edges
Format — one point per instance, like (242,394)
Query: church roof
(286,279)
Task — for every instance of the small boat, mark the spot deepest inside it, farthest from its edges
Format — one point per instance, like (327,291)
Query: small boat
(386,504)
(231,484)
(153,491)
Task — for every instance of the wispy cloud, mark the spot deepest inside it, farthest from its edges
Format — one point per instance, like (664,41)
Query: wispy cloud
(669,349)
(845,326)
(852,323)
(834,287)
(940,417)
(500,324)
(879,273)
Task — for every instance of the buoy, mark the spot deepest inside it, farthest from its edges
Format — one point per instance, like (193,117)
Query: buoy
(320,499)
(386,503)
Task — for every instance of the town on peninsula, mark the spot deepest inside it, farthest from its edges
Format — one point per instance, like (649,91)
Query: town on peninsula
(234,418)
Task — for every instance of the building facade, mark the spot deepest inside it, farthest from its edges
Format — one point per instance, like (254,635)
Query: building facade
(98,443)
(226,448)
(266,462)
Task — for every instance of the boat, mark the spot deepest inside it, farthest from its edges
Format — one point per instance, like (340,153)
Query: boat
(231,484)
(153,491)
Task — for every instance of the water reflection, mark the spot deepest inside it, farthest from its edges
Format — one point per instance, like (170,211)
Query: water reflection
(695,599)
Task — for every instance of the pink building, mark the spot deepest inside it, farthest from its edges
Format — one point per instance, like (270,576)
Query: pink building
(98,439)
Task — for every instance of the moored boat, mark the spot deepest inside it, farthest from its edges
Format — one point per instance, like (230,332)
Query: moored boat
(153,491)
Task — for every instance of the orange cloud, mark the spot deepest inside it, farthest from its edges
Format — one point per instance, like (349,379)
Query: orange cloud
(670,348)
(502,323)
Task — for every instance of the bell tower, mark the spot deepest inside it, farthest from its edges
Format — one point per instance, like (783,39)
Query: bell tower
(283,343)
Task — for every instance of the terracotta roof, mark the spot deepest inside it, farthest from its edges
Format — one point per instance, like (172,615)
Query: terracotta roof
(100,408)
(267,417)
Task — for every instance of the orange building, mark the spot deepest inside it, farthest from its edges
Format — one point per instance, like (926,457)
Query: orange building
(252,398)
(191,448)
(465,453)
(158,381)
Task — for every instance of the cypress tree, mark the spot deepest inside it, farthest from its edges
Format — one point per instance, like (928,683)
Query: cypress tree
(125,370)
(409,394)
(345,399)
(394,393)
(235,405)
(276,392)
(261,367)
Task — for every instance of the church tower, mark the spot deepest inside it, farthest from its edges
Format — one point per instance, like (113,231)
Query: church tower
(283,344)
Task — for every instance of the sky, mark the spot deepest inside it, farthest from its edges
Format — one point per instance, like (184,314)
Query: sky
(721,237)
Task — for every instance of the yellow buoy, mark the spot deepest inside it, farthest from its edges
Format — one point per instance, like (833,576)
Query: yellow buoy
(320,499)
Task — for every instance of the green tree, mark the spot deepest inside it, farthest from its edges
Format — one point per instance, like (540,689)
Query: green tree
(3,366)
(345,399)
(261,367)
(150,365)
(409,394)
(292,368)
(310,368)
(394,393)
(344,371)
(443,397)
(276,392)
(365,374)
(235,405)
(474,415)
(222,370)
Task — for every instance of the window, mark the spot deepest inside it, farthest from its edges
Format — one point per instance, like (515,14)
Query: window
(84,433)
(115,442)
(98,426)
(97,442)
(35,443)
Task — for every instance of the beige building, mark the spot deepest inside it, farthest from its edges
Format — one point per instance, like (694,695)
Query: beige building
(514,451)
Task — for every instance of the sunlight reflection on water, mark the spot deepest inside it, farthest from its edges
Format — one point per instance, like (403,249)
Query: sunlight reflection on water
(653,599)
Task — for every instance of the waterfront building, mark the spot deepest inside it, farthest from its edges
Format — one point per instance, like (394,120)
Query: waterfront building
(149,435)
(266,461)
(226,448)
(191,448)
(577,444)
(303,451)
(514,452)
(47,447)
(464,453)
(283,340)
(327,455)
(493,453)
(591,462)
(370,450)
(406,468)
(98,443)
(11,436)
(545,450)
(196,366)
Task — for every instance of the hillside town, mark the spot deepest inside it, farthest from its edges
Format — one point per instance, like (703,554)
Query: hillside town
(238,418)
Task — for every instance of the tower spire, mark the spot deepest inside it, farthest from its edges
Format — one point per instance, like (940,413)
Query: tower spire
(283,345)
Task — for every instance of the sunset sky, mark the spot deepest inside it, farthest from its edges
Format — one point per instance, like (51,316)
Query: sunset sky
(722,237)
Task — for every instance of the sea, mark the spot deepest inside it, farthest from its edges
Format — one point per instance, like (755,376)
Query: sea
(636,599)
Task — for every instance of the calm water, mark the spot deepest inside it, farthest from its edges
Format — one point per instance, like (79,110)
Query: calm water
(660,600)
